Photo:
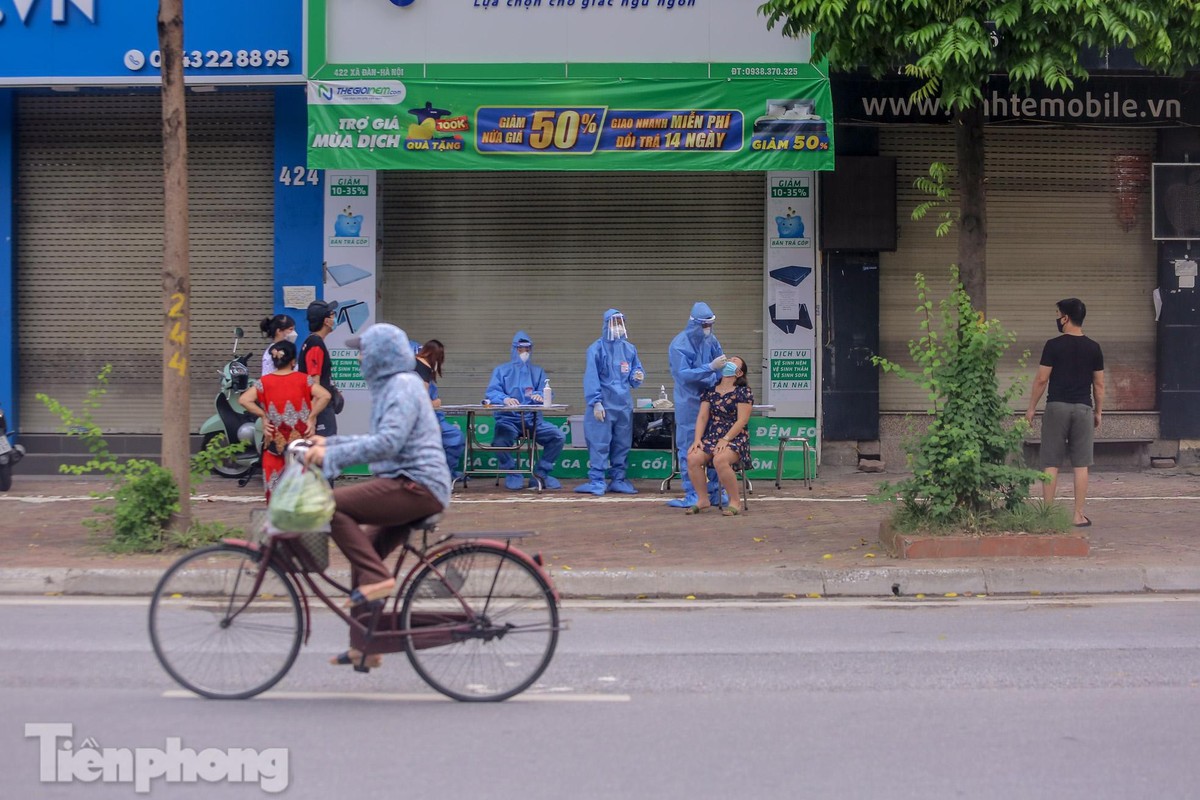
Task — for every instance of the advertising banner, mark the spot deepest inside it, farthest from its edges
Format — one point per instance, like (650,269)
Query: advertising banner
(655,464)
(350,237)
(790,296)
(701,124)
(107,42)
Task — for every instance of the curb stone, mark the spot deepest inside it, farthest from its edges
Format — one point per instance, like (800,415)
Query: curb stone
(629,584)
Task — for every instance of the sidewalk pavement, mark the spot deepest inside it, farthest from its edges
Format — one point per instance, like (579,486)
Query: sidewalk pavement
(791,543)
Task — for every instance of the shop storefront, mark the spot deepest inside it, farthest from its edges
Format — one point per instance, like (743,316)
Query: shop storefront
(80,129)
(1069,215)
(530,165)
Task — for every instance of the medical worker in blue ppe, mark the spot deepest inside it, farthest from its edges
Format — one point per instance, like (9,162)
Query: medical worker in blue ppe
(431,356)
(520,382)
(612,371)
(696,361)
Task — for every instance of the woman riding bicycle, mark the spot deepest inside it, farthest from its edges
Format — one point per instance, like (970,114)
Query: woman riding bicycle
(403,445)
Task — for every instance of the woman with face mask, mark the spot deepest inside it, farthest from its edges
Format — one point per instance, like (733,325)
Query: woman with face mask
(721,437)
(287,402)
(277,328)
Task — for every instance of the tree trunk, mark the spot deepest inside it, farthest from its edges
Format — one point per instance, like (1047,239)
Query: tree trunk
(972,233)
(175,279)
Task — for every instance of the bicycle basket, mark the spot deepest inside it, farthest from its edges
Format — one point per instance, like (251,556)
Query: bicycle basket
(314,543)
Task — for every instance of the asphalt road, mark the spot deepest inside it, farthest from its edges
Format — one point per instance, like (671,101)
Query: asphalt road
(985,698)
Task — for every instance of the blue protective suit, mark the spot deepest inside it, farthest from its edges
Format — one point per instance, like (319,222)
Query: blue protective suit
(608,378)
(690,354)
(453,441)
(521,381)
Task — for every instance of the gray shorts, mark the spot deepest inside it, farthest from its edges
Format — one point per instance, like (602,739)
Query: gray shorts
(1067,431)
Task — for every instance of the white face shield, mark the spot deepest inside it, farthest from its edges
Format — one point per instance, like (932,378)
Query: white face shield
(616,328)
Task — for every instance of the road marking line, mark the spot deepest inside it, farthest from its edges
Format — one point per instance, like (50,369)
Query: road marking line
(760,603)
(395,697)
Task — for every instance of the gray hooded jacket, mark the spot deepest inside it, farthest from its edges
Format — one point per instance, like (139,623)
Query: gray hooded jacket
(404,437)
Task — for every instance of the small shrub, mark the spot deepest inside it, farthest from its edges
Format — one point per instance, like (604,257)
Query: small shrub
(201,534)
(144,494)
(967,466)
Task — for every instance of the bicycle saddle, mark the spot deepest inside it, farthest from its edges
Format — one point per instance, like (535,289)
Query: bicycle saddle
(427,523)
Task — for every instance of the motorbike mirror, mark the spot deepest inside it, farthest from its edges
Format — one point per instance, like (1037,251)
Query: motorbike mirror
(238,332)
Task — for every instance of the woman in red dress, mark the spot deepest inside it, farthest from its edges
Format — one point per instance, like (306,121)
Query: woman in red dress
(285,400)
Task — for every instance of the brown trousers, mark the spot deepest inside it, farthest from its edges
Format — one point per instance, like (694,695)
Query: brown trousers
(386,505)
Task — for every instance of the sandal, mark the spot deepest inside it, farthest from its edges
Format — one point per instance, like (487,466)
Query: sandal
(354,657)
(697,509)
(730,511)
(374,591)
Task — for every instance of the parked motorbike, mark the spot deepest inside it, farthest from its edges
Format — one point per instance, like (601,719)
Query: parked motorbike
(10,454)
(232,422)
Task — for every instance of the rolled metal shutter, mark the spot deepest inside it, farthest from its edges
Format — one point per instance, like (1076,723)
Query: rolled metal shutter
(90,248)
(1055,230)
(471,258)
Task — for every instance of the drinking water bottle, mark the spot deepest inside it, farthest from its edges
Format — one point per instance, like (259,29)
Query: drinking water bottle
(547,394)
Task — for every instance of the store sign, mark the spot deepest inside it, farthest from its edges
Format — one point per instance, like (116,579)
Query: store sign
(1122,101)
(577,37)
(350,238)
(106,42)
(790,296)
(702,124)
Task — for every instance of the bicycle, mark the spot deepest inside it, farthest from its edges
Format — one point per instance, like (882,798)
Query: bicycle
(478,620)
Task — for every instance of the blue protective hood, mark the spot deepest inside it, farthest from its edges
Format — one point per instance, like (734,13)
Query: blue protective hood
(385,352)
(521,336)
(695,331)
(612,312)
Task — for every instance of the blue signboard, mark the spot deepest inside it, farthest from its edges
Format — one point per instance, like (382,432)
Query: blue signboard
(82,42)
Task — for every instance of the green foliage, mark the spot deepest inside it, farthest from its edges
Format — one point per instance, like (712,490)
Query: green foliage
(963,465)
(144,494)
(954,46)
(1033,516)
(201,534)
(936,185)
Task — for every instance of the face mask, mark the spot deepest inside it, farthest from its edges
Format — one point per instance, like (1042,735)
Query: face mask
(730,369)
(290,336)
(523,356)
(1059,323)
(707,330)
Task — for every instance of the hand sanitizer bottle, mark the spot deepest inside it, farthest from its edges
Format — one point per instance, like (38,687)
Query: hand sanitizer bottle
(662,393)
(547,394)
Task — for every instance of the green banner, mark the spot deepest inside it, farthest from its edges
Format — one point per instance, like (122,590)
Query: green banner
(573,124)
(656,464)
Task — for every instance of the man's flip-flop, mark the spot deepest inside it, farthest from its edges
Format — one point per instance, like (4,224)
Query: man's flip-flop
(345,659)
(1087,523)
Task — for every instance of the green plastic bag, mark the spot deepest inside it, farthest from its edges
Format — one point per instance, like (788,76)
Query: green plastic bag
(302,501)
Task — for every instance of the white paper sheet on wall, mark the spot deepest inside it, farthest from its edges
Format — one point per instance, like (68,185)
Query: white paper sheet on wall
(299,296)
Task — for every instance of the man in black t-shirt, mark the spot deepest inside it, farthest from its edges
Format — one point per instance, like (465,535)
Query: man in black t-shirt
(314,359)
(1072,365)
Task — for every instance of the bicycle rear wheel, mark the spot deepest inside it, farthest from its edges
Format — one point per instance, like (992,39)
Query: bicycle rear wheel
(216,639)
(490,626)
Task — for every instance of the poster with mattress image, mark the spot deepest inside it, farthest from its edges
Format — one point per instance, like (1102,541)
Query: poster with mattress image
(350,238)
(789,285)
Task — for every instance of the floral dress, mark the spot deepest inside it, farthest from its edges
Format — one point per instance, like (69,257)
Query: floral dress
(287,399)
(722,414)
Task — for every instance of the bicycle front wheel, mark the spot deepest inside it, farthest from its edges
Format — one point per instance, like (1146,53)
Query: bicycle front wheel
(216,633)
(488,624)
